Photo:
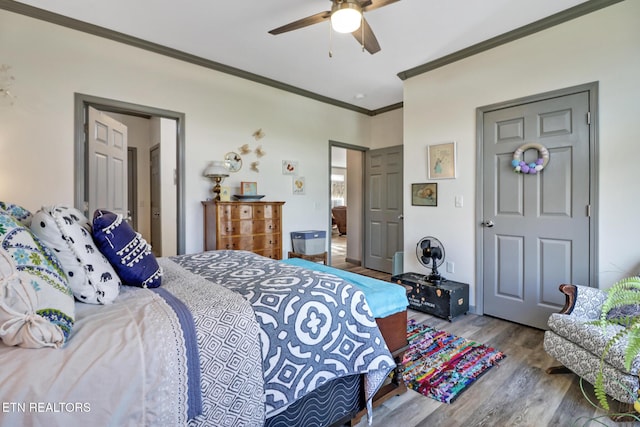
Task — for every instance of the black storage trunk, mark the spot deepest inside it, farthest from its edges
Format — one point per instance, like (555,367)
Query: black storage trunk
(447,299)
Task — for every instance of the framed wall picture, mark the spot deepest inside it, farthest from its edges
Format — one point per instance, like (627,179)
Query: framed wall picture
(248,188)
(441,161)
(289,167)
(299,185)
(225,194)
(424,194)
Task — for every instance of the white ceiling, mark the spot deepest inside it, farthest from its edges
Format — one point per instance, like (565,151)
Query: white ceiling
(410,32)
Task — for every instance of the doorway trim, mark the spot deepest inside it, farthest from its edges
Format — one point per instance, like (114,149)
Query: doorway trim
(592,89)
(132,157)
(81,102)
(362,149)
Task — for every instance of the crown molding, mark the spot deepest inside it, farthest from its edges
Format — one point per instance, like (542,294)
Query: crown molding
(54,18)
(386,109)
(542,24)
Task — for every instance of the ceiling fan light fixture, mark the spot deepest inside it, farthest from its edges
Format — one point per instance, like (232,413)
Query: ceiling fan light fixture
(346,16)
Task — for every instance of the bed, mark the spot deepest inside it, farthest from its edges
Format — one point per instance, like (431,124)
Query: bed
(220,338)
(134,362)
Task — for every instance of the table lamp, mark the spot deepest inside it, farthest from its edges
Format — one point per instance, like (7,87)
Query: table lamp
(216,172)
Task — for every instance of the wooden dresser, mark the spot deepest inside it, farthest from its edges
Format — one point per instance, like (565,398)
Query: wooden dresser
(250,226)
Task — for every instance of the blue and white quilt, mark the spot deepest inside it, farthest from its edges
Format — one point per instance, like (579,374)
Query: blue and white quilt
(261,334)
(314,326)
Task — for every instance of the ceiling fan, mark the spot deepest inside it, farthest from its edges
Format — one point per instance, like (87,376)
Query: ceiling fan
(346,17)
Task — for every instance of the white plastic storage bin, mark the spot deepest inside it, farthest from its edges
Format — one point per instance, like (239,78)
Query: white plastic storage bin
(309,242)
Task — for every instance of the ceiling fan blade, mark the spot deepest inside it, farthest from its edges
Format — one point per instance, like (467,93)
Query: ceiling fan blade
(375,4)
(301,23)
(370,42)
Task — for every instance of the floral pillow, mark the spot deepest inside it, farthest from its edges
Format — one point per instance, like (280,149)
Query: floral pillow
(68,233)
(127,251)
(19,213)
(36,304)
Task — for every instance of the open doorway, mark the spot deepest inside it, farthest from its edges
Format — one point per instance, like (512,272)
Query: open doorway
(153,128)
(346,204)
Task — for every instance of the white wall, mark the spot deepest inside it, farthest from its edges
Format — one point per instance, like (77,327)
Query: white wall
(440,106)
(51,63)
(387,129)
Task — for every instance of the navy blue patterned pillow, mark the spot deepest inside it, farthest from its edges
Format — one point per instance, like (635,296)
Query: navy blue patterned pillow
(129,254)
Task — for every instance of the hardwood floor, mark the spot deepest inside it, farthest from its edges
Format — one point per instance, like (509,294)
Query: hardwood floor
(517,392)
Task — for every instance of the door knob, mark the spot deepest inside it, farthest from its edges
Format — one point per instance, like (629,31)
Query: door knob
(488,224)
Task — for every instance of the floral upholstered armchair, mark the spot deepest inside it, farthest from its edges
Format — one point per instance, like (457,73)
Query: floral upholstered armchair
(579,345)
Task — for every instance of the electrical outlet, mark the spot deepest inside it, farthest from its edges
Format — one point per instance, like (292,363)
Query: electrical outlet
(450,267)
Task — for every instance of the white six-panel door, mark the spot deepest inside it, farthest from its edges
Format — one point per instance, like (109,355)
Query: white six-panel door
(107,163)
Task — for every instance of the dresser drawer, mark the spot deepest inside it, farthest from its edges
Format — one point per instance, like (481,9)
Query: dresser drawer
(236,243)
(266,241)
(234,212)
(266,212)
(234,228)
(262,226)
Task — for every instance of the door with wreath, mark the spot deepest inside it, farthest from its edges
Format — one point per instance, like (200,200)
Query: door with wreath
(536,206)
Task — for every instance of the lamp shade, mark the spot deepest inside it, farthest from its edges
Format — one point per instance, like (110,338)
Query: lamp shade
(346,17)
(216,169)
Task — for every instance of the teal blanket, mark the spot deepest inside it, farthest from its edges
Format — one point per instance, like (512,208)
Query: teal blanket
(384,298)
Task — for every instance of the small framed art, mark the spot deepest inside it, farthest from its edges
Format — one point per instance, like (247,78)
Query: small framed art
(225,194)
(248,188)
(289,167)
(441,161)
(424,194)
(298,185)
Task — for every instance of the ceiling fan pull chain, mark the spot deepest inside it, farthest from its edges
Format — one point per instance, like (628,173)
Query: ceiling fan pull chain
(362,29)
(330,40)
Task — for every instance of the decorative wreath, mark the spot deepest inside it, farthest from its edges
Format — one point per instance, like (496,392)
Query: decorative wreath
(531,168)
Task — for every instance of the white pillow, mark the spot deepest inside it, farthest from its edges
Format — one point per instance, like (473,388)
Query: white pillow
(36,304)
(68,233)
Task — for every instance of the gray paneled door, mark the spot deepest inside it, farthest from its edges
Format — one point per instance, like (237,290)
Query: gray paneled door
(383,207)
(536,227)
